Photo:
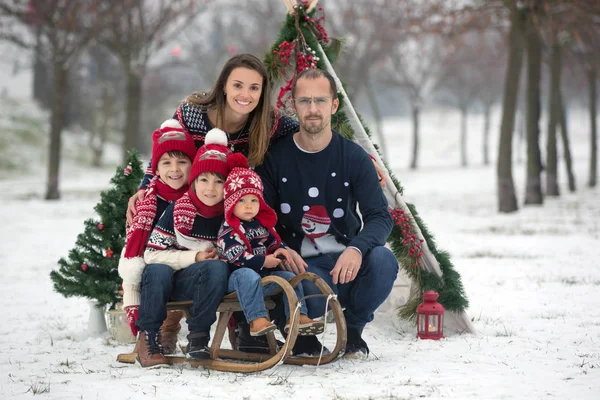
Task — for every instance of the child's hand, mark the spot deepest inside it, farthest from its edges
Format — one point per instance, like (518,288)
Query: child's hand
(208,254)
(283,255)
(271,261)
(132,317)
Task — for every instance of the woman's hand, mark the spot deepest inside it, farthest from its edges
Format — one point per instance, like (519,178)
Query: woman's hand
(381,174)
(283,254)
(297,265)
(131,211)
(208,254)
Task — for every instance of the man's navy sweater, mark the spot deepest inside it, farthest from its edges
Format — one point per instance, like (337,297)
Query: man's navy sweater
(316,196)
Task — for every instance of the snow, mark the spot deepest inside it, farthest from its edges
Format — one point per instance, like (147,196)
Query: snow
(532,278)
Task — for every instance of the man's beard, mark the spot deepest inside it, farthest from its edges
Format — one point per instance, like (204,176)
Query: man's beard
(314,129)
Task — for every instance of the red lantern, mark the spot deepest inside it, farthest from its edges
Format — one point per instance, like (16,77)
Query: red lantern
(430,317)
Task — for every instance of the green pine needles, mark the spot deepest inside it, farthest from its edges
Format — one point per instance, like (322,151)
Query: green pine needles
(91,267)
(449,286)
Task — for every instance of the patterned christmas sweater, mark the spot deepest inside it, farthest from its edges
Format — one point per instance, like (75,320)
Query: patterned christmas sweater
(131,272)
(195,120)
(161,206)
(316,197)
(168,245)
(233,249)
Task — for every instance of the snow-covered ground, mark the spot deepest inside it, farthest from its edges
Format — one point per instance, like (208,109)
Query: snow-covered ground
(532,279)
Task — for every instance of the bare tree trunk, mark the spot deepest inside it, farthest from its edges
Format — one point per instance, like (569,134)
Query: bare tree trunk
(133,110)
(102,127)
(520,133)
(377,115)
(41,90)
(594,133)
(533,186)
(507,199)
(415,152)
(487,114)
(553,119)
(463,137)
(102,108)
(564,133)
(56,126)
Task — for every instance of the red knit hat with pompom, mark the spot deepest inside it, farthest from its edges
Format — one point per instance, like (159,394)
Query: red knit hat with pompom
(213,156)
(240,182)
(171,137)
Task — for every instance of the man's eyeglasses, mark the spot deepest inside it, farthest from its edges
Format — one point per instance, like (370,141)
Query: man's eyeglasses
(304,102)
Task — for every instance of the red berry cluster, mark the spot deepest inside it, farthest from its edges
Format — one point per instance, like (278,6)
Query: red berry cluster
(285,90)
(415,251)
(317,25)
(305,61)
(285,51)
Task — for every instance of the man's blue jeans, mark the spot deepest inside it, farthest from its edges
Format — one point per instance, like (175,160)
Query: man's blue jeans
(363,295)
(205,283)
(246,282)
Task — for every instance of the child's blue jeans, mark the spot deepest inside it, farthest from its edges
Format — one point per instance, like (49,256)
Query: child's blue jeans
(205,283)
(246,282)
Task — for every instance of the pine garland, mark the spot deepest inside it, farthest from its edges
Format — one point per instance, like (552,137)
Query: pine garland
(305,32)
(91,267)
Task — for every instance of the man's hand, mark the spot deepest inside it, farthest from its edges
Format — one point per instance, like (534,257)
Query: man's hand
(296,264)
(347,266)
(131,211)
(271,261)
(208,254)
(381,174)
(132,317)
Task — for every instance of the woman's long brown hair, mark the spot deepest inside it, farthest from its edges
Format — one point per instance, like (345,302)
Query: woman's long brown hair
(260,117)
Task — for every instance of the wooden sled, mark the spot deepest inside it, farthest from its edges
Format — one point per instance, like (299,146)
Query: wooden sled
(238,361)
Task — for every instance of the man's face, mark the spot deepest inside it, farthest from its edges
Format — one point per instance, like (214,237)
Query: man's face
(314,104)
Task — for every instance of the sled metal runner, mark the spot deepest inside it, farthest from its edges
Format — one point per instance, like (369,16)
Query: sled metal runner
(238,361)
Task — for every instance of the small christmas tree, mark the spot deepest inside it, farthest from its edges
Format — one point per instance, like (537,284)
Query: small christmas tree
(91,268)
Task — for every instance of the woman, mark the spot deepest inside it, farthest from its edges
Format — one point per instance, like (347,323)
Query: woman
(239,105)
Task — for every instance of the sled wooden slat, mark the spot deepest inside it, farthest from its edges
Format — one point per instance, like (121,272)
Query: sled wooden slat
(340,322)
(254,362)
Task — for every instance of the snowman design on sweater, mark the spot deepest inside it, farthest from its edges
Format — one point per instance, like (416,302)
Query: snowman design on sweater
(317,239)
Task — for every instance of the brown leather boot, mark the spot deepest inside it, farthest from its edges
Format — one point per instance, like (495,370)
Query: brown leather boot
(150,354)
(169,330)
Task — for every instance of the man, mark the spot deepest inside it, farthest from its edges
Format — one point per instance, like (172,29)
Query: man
(314,179)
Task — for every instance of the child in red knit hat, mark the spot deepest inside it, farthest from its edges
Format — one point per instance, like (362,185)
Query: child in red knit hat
(249,243)
(172,153)
(182,259)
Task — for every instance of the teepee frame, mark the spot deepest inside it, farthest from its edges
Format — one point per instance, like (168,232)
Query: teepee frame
(454,321)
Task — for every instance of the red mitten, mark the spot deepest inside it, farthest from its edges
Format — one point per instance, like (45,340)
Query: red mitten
(132,317)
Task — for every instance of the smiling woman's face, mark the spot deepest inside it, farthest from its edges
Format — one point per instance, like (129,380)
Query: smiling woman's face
(243,90)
